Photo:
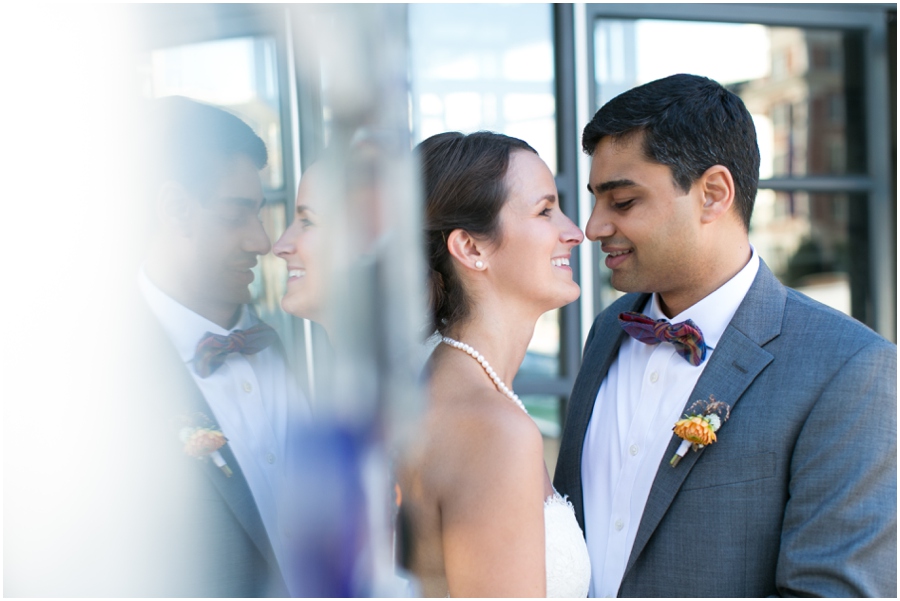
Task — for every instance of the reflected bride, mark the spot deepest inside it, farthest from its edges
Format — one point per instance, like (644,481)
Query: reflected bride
(482,515)
(299,247)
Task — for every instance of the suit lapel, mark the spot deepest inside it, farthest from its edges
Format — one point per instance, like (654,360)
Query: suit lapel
(234,490)
(182,397)
(734,364)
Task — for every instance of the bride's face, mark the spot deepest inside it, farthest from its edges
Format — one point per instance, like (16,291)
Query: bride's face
(532,257)
(300,246)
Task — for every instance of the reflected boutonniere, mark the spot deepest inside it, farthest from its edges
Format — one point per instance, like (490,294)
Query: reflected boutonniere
(699,426)
(204,441)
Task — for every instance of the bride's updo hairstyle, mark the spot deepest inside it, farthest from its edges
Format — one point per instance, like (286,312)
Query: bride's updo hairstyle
(464,187)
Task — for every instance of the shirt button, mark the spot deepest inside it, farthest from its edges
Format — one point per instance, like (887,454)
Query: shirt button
(619,524)
(654,377)
(633,449)
(248,387)
(270,457)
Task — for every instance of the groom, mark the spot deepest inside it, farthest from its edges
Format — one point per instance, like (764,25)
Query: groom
(797,495)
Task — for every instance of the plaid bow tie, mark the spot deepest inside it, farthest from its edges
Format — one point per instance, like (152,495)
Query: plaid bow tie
(213,349)
(685,336)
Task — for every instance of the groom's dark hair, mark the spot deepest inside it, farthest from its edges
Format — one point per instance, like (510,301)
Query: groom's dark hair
(191,143)
(463,182)
(689,123)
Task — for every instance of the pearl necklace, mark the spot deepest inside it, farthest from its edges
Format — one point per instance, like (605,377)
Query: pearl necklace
(501,386)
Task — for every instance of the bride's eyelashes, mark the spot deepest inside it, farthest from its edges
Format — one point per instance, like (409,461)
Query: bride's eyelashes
(306,217)
(549,205)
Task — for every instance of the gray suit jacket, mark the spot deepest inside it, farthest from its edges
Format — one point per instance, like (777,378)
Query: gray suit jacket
(206,537)
(799,494)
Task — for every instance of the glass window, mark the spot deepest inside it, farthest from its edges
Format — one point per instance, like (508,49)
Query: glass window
(237,74)
(792,78)
(484,66)
(489,66)
(804,238)
(807,107)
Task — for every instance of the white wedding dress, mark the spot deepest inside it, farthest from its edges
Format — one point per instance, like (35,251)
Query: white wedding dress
(568,566)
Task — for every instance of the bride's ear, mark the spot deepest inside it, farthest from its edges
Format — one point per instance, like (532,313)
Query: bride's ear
(465,249)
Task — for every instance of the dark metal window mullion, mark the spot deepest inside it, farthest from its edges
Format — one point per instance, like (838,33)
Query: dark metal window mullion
(568,145)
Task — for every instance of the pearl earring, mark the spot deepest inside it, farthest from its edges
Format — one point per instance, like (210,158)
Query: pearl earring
(479,264)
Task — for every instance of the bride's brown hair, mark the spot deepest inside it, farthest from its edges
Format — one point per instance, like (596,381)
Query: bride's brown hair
(463,180)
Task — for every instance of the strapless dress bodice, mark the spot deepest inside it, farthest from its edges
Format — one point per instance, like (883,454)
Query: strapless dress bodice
(568,565)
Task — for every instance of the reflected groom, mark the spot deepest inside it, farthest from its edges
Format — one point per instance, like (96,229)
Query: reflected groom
(797,496)
(217,385)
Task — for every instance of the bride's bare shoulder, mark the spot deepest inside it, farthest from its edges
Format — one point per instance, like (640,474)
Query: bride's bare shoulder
(475,483)
(479,437)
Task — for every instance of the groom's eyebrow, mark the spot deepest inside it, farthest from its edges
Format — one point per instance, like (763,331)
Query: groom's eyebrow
(611,185)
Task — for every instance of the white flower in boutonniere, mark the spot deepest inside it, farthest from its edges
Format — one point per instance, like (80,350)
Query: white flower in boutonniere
(205,442)
(699,426)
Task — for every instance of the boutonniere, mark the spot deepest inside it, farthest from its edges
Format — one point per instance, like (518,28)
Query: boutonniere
(204,441)
(699,426)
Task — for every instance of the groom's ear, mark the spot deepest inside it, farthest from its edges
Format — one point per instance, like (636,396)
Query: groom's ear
(717,188)
(173,207)
(465,249)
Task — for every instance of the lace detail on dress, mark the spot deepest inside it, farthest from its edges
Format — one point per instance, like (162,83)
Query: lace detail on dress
(568,565)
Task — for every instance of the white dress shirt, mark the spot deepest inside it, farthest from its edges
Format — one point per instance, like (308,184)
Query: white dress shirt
(250,396)
(639,401)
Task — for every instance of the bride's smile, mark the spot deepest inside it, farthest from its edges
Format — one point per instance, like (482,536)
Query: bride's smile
(301,248)
(529,265)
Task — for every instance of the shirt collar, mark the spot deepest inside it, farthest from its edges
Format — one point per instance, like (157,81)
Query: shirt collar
(184,327)
(713,313)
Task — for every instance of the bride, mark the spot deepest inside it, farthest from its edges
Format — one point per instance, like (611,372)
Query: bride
(483,518)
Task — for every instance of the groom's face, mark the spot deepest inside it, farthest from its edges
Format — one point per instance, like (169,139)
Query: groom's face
(225,237)
(646,225)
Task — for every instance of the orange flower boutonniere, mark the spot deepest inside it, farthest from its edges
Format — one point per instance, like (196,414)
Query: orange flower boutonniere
(699,426)
(205,441)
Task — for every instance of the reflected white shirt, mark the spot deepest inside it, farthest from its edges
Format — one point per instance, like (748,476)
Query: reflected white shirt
(639,401)
(252,397)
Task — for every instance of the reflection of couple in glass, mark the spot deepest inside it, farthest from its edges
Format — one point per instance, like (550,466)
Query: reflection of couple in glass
(779,504)
(219,374)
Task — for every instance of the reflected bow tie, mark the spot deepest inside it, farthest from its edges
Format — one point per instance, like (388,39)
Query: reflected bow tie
(685,336)
(213,349)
